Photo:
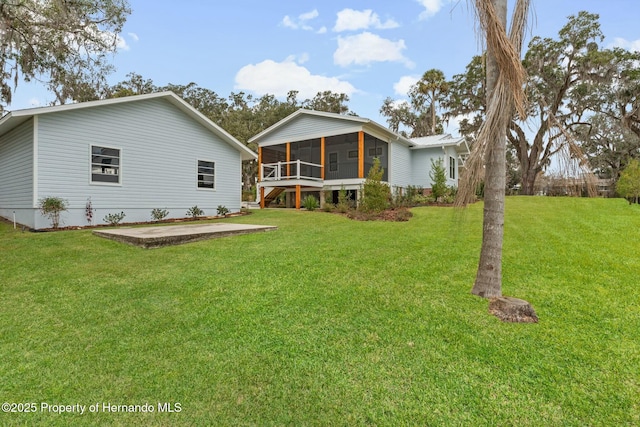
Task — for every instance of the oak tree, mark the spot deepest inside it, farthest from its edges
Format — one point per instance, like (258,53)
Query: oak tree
(64,44)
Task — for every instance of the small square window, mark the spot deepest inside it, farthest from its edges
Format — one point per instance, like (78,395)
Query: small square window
(105,165)
(375,152)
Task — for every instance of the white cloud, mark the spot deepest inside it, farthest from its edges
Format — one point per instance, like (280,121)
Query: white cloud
(134,36)
(303,58)
(402,86)
(626,44)
(35,102)
(353,20)
(278,78)
(365,48)
(322,30)
(309,15)
(121,43)
(399,103)
(288,22)
(301,22)
(431,7)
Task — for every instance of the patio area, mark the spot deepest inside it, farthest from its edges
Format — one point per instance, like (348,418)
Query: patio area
(159,236)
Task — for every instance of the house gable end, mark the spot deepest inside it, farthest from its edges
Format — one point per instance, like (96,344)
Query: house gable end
(306,126)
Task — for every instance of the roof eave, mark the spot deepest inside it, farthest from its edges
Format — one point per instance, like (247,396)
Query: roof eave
(17,117)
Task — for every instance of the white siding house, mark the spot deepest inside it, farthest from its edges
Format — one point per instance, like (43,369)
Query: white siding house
(452,152)
(129,154)
(313,152)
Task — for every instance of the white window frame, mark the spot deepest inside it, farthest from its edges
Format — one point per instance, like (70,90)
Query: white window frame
(212,175)
(118,168)
(452,167)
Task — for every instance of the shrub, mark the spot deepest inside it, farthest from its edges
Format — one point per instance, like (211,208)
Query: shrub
(222,210)
(419,199)
(628,185)
(450,195)
(399,197)
(310,203)
(51,207)
(344,203)
(194,212)
(438,179)
(159,214)
(413,192)
(376,194)
(403,215)
(114,219)
(410,196)
(328,199)
(249,195)
(88,211)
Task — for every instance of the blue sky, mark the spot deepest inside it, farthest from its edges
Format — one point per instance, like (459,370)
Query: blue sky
(367,49)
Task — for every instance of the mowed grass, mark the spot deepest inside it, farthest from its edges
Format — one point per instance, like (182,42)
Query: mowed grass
(329,321)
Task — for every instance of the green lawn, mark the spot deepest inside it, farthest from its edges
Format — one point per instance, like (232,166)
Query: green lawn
(329,321)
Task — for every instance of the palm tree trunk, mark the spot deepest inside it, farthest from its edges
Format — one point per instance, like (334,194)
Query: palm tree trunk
(488,283)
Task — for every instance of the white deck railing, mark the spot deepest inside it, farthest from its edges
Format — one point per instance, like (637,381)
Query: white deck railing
(279,171)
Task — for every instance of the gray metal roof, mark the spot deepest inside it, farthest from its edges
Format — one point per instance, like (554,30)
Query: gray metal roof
(364,122)
(444,140)
(15,118)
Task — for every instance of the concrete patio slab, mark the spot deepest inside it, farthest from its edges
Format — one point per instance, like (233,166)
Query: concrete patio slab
(155,237)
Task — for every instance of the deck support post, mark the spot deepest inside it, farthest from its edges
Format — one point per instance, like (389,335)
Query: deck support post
(298,195)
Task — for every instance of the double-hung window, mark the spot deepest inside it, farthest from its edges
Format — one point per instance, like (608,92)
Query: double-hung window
(452,167)
(105,165)
(206,174)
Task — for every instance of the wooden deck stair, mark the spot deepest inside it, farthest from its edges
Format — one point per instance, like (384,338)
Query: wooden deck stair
(272,195)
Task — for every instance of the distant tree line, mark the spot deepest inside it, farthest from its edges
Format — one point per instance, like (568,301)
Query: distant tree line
(582,100)
(583,104)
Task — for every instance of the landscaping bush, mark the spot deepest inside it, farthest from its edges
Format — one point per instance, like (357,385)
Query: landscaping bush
(159,214)
(114,219)
(344,203)
(438,180)
(88,211)
(310,203)
(222,210)
(194,212)
(51,207)
(376,194)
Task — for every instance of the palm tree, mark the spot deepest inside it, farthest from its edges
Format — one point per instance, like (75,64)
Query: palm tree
(505,92)
(430,89)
